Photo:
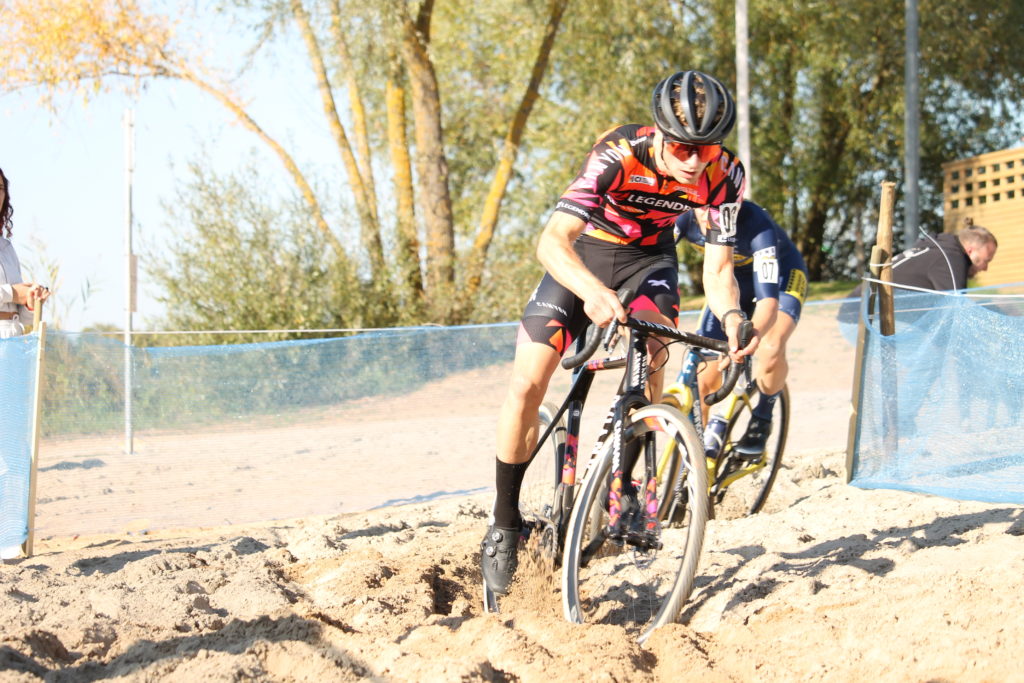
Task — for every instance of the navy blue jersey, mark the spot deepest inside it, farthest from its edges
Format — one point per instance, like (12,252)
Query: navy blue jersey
(763,254)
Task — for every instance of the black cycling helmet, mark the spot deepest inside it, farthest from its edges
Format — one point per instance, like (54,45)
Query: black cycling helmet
(680,90)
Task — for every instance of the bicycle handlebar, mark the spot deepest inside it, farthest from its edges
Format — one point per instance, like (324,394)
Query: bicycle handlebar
(594,338)
(746,331)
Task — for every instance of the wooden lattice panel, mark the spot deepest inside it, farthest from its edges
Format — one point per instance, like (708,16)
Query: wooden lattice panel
(989,189)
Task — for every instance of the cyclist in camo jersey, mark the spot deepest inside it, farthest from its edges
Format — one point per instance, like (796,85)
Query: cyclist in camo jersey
(613,227)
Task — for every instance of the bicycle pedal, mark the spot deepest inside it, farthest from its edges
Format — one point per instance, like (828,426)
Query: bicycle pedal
(616,536)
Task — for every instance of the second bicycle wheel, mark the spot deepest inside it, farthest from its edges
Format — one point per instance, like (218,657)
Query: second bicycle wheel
(672,491)
(640,589)
(537,496)
(741,486)
(540,482)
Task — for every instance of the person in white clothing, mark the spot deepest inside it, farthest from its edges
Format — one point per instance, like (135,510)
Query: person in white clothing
(16,296)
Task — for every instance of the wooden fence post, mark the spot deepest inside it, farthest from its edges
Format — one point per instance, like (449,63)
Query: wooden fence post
(39,328)
(881,268)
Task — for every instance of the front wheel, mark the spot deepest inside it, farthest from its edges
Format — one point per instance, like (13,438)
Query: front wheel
(642,588)
(741,487)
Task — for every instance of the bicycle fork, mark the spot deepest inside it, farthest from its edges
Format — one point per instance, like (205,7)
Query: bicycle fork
(619,528)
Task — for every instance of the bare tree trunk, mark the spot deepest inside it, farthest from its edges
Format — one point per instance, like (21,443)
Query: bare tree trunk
(300,180)
(359,130)
(407,243)
(431,165)
(369,229)
(502,174)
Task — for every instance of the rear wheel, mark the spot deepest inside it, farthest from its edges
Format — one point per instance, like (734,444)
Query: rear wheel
(741,487)
(540,483)
(623,583)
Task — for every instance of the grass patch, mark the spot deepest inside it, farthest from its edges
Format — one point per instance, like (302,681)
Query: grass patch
(816,291)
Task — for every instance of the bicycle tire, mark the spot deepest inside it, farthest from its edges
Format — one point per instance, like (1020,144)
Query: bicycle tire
(540,481)
(639,589)
(538,503)
(671,511)
(749,493)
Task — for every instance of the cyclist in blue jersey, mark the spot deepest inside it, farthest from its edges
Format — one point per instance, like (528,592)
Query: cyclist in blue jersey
(772,280)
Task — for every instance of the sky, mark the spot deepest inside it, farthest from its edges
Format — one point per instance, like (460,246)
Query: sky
(68,179)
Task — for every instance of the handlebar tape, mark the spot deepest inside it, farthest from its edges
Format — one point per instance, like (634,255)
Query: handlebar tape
(746,333)
(594,338)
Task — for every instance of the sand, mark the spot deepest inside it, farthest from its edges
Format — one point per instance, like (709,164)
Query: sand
(829,582)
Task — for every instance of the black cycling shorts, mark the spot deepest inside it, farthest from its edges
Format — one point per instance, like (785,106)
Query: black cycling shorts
(554,315)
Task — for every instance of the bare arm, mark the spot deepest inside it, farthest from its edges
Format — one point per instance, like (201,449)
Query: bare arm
(23,293)
(556,254)
(765,312)
(723,295)
(27,293)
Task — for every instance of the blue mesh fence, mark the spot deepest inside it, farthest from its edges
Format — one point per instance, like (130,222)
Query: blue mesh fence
(941,400)
(225,434)
(255,432)
(17,377)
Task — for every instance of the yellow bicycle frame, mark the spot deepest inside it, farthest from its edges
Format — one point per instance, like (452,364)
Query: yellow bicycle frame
(681,396)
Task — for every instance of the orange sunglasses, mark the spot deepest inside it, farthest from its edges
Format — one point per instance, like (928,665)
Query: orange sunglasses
(684,150)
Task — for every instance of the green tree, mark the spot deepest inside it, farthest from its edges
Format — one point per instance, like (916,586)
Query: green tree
(241,262)
(827,107)
(457,123)
(81,45)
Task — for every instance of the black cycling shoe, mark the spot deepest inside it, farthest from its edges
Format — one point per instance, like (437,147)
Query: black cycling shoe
(499,558)
(752,445)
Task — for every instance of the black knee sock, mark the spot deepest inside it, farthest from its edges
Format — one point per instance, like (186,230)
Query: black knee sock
(508,480)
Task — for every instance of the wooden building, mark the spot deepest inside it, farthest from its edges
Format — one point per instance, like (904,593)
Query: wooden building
(989,189)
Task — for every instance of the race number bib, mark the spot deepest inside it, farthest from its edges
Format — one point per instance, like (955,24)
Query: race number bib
(766,266)
(728,219)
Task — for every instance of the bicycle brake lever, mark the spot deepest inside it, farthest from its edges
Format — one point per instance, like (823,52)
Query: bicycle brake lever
(611,335)
(592,342)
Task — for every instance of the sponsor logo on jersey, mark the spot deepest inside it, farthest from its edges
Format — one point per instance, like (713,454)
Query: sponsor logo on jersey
(614,152)
(573,209)
(736,174)
(657,202)
(659,283)
(642,179)
(796,286)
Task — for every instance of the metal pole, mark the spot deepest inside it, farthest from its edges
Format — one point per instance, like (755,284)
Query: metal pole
(743,94)
(911,128)
(129,306)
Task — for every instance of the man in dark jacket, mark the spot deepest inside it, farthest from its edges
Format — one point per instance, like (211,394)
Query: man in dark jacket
(941,262)
(945,261)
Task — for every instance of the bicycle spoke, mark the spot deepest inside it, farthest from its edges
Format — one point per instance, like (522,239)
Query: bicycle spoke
(742,485)
(641,580)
